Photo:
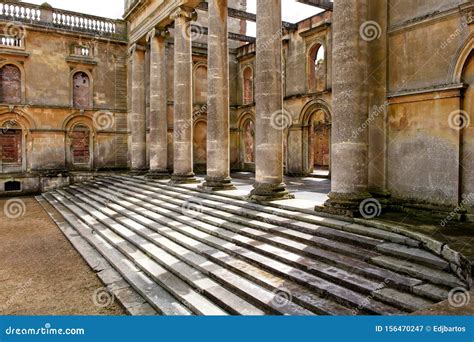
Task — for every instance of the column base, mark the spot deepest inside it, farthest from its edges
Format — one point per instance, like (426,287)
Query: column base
(158,175)
(217,184)
(183,179)
(350,205)
(135,173)
(264,192)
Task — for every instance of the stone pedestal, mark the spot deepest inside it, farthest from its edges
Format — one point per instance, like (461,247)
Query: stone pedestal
(137,117)
(158,138)
(218,170)
(183,108)
(269,105)
(349,149)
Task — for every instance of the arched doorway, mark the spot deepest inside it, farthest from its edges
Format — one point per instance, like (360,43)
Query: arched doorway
(80,147)
(467,136)
(200,146)
(316,139)
(247,143)
(319,141)
(11,147)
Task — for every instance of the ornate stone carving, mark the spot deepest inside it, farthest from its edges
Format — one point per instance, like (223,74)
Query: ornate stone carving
(184,12)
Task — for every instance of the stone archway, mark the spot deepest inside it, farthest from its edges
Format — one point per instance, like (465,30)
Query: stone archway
(467,136)
(247,142)
(316,139)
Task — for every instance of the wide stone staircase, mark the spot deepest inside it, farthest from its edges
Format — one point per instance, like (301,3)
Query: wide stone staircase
(187,252)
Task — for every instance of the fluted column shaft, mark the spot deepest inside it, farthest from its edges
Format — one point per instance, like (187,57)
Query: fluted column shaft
(269,104)
(183,106)
(137,116)
(349,148)
(158,138)
(218,169)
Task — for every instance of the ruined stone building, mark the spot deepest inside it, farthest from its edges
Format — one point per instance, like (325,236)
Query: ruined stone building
(160,143)
(379,93)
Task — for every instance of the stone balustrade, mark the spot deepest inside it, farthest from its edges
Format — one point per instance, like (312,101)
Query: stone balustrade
(45,15)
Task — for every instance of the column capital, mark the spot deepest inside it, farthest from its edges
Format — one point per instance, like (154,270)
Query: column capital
(157,32)
(184,12)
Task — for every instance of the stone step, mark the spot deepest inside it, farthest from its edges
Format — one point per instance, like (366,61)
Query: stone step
(317,284)
(275,210)
(405,300)
(187,295)
(224,213)
(413,255)
(437,293)
(133,303)
(319,305)
(432,275)
(344,263)
(275,216)
(155,295)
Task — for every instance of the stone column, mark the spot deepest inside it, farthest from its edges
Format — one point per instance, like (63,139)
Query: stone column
(183,99)
(349,171)
(158,139)
(137,116)
(218,169)
(270,117)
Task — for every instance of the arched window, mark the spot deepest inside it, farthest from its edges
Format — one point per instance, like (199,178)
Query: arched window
(317,69)
(249,141)
(200,84)
(81,90)
(80,145)
(10,84)
(200,145)
(248,85)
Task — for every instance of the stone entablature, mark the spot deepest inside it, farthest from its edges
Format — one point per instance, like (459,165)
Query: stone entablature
(49,17)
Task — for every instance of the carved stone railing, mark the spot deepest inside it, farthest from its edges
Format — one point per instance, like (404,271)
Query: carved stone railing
(45,15)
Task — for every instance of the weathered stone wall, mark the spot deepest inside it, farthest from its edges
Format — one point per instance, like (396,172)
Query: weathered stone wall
(46,114)
(425,161)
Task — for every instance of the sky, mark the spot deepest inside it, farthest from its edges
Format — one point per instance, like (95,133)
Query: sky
(102,8)
(292,11)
